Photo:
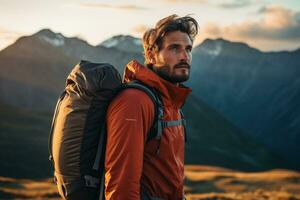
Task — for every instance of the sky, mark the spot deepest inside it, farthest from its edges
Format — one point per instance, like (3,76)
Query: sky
(263,24)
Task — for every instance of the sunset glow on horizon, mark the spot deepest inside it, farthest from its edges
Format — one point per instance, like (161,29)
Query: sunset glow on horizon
(263,24)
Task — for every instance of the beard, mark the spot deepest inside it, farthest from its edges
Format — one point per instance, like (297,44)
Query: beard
(171,76)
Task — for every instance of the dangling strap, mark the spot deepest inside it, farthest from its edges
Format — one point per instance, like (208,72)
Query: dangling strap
(99,160)
(67,188)
(159,121)
(100,150)
(184,125)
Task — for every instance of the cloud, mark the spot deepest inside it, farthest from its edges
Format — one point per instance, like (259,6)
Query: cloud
(278,17)
(227,4)
(186,1)
(235,4)
(8,37)
(7,33)
(113,6)
(275,25)
(140,29)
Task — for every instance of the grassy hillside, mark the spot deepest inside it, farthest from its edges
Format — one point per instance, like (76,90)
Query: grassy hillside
(23,143)
(213,140)
(201,183)
(211,183)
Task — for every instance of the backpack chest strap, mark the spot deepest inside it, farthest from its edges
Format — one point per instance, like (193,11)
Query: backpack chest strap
(173,123)
(164,124)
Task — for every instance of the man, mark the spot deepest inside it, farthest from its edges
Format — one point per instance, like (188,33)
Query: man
(136,169)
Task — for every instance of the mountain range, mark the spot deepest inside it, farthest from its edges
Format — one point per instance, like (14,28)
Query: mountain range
(258,91)
(41,63)
(228,79)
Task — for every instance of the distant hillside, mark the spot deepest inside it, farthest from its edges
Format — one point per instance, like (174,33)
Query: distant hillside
(258,92)
(34,68)
(23,143)
(211,140)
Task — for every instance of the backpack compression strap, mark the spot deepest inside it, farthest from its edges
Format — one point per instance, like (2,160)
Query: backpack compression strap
(50,140)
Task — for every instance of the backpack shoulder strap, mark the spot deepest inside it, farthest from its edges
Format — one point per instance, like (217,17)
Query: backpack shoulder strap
(149,91)
(159,124)
(156,128)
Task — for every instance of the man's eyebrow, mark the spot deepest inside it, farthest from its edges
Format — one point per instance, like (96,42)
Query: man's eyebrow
(179,45)
(174,45)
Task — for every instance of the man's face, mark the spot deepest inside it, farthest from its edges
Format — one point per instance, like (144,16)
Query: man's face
(172,62)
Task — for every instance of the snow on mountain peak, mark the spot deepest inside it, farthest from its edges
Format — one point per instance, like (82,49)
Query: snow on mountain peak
(216,50)
(213,47)
(56,41)
(117,40)
(137,42)
(112,42)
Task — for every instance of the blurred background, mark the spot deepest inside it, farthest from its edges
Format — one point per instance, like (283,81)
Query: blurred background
(243,115)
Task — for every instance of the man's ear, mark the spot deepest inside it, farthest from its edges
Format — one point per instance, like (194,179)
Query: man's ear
(150,55)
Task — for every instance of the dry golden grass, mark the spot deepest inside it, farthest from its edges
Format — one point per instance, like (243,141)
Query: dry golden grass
(27,189)
(204,182)
(201,183)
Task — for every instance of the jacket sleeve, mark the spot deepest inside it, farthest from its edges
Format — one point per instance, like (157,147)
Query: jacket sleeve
(129,119)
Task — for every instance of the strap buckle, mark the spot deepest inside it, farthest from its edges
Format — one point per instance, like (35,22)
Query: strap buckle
(91,181)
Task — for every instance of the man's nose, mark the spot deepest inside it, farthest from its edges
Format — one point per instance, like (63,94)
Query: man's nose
(185,56)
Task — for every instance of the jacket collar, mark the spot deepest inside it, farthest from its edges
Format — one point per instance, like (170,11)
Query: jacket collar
(172,95)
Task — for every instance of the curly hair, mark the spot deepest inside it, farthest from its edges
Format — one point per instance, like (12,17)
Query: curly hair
(153,38)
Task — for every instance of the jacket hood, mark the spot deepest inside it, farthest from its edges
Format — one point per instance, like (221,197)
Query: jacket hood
(171,94)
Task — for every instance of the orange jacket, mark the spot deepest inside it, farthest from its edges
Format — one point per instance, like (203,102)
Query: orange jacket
(130,163)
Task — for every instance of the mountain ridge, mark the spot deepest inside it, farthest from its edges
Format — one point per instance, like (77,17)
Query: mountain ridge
(236,85)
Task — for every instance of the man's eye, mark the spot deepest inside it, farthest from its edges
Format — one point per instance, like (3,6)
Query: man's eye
(189,50)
